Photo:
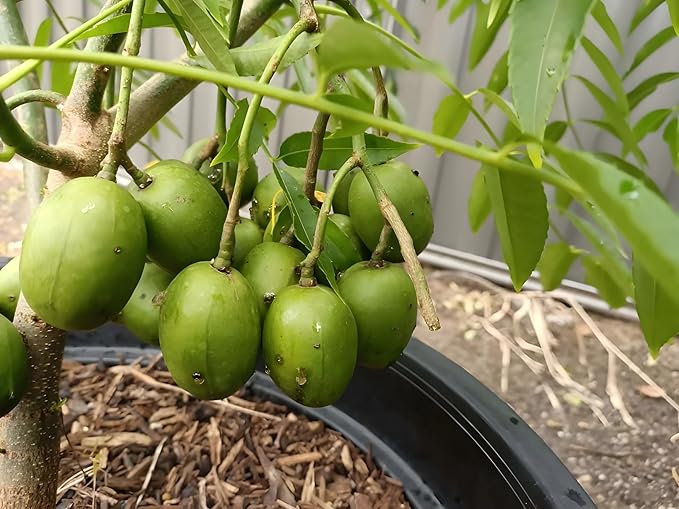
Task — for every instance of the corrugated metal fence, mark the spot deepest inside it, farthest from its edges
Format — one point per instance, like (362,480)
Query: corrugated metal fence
(450,176)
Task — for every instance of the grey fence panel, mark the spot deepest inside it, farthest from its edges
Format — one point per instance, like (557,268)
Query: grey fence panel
(448,177)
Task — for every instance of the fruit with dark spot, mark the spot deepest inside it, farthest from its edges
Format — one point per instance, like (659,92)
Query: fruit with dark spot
(270,267)
(9,288)
(83,254)
(14,370)
(409,195)
(183,213)
(382,298)
(247,235)
(142,312)
(210,331)
(309,343)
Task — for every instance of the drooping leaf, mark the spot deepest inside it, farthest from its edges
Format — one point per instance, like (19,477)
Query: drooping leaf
(673,7)
(400,19)
(651,122)
(658,313)
(478,206)
(598,276)
(207,32)
(450,116)
(484,35)
(295,150)
(600,14)
(609,73)
(251,60)
(646,221)
(555,263)
(350,44)
(498,78)
(521,218)
(265,121)
(543,36)
(651,46)
(671,137)
(646,7)
(648,86)
(119,24)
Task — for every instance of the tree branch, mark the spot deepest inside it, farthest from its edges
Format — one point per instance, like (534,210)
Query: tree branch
(315,152)
(47,97)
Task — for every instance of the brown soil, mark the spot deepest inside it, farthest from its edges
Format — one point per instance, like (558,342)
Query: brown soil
(153,446)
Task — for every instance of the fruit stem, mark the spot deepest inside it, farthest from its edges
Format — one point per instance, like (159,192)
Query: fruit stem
(391,215)
(307,266)
(208,151)
(117,151)
(382,243)
(54,99)
(315,152)
(223,259)
(110,90)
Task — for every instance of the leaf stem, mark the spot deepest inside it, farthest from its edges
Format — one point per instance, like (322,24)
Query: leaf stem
(481,154)
(315,152)
(381,108)
(110,91)
(223,259)
(117,150)
(307,266)
(234,18)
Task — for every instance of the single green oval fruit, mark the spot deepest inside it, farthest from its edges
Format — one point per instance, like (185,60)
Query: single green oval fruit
(142,312)
(9,288)
(82,254)
(309,344)
(382,299)
(344,223)
(340,202)
(411,198)
(249,183)
(266,190)
(210,332)
(247,235)
(14,371)
(183,213)
(270,267)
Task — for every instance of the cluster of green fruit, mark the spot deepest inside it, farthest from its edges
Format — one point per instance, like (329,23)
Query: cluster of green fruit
(94,251)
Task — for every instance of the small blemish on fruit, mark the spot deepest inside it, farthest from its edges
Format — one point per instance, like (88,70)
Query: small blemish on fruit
(117,250)
(317,346)
(267,370)
(279,359)
(11,298)
(416,173)
(301,377)
(87,208)
(269,297)
(198,378)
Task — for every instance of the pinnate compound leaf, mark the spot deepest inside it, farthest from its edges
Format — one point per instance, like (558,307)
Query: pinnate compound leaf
(609,73)
(555,263)
(646,7)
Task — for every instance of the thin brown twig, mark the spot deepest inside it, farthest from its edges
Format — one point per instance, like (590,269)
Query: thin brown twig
(614,392)
(149,474)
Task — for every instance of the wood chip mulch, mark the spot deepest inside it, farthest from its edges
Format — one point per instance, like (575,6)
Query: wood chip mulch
(136,441)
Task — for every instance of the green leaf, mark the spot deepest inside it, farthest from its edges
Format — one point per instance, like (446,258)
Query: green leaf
(543,36)
(671,137)
(647,222)
(400,19)
(673,7)
(450,116)
(350,127)
(484,35)
(520,209)
(555,263)
(251,60)
(650,47)
(42,38)
(494,9)
(651,122)
(609,73)
(264,123)
(658,313)
(365,87)
(648,86)
(646,7)
(502,104)
(630,169)
(62,75)
(597,275)
(119,24)
(350,44)
(555,131)
(458,9)
(601,16)
(207,32)
(295,150)
(498,78)
(478,206)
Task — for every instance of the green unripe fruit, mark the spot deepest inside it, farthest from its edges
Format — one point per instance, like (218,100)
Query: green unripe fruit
(14,371)
(249,183)
(340,202)
(184,215)
(309,343)
(266,190)
(9,288)
(247,236)
(210,332)
(411,198)
(382,299)
(83,253)
(142,312)
(270,267)
(345,225)
(193,151)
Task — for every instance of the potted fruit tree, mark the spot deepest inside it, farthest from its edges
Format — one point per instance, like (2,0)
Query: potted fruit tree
(317,280)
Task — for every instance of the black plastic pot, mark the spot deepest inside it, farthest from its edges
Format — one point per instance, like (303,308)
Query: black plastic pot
(451,441)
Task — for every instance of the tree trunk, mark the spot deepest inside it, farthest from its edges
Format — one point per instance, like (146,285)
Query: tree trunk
(29,435)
